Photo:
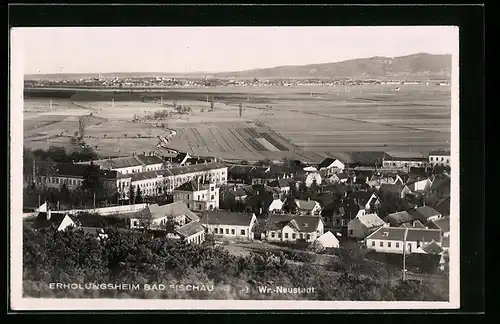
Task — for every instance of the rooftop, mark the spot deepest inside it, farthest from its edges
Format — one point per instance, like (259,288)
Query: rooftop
(370,220)
(192,186)
(190,229)
(305,204)
(423,213)
(226,218)
(175,209)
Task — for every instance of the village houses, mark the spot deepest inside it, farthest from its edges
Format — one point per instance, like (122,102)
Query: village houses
(392,239)
(363,225)
(198,196)
(290,228)
(229,225)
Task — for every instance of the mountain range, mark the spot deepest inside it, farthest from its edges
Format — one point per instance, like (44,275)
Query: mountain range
(415,66)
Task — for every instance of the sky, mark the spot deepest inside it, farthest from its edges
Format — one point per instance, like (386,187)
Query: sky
(218,49)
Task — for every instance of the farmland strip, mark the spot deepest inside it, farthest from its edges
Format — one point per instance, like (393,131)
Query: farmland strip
(256,145)
(242,132)
(274,142)
(252,132)
(217,130)
(239,140)
(215,138)
(200,138)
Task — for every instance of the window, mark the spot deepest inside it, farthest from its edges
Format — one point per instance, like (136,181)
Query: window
(188,196)
(213,197)
(442,159)
(447,160)
(279,234)
(308,236)
(432,159)
(198,197)
(188,205)
(272,234)
(381,244)
(351,232)
(294,236)
(286,235)
(373,243)
(215,230)
(232,231)
(301,235)
(388,244)
(227,230)
(243,232)
(397,244)
(221,230)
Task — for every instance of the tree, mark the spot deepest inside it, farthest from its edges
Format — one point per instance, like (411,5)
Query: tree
(302,190)
(92,180)
(138,196)
(131,195)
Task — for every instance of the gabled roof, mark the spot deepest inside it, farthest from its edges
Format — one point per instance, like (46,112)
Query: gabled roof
(423,235)
(226,218)
(361,196)
(442,223)
(327,239)
(326,163)
(190,229)
(80,170)
(441,182)
(305,204)
(440,152)
(192,186)
(432,248)
(175,209)
(282,183)
(418,224)
(388,233)
(396,219)
(307,224)
(423,213)
(391,188)
(443,206)
(149,159)
(370,220)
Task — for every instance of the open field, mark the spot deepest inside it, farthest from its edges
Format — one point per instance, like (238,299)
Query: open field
(308,123)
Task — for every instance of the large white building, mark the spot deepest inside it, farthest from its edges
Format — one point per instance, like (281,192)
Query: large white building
(393,239)
(163,181)
(131,164)
(441,158)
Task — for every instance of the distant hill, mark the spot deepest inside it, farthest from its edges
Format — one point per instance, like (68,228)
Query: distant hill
(415,66)
(420,65)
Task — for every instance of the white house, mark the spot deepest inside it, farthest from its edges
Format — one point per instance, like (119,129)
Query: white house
(422,185)
(230,225)
(425,214)
(363,225)
(276,206)
(328,240)
(156,216)
(307,207)
(392,239)
(192,232)
(441,158)
(313,177)
(373,203)
(198,196)
(283,184)
(290,228)
(49,218)
(403,160)
(332,166)
(132,164)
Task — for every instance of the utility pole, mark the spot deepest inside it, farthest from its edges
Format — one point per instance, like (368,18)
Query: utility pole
(94,202)
(404,254)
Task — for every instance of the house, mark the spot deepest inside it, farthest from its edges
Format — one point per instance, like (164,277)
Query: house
(332,166)
(363,225)
(276,206)
(49,218)
(181,158)
(430,248)
(403,160)
(198,196)
(131,164)
(440,186)
(192,232)
(328,241)
(71,175)
(392,239)
(442,224)
(443,206)
(230,225)
(440,157)
(156,216)
(306,207)
(284,184)
(419,185)
(341,177)
(399,218)
(290,228)
(391,192)
(424,214)
(312,177)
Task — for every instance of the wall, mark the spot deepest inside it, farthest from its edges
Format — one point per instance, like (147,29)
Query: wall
(412,246)
(197,238)
(359,231)
(199,200)
(128,170)
(289,231)
(227,231)
(108,210)
(403,164)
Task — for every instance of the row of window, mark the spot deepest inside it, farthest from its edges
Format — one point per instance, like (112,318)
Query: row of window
(70,182)
(442,159)
(197,239)
(233,231)
(294,236)
(389,244)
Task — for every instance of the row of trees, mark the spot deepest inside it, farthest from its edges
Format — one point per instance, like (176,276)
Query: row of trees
(75,257)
